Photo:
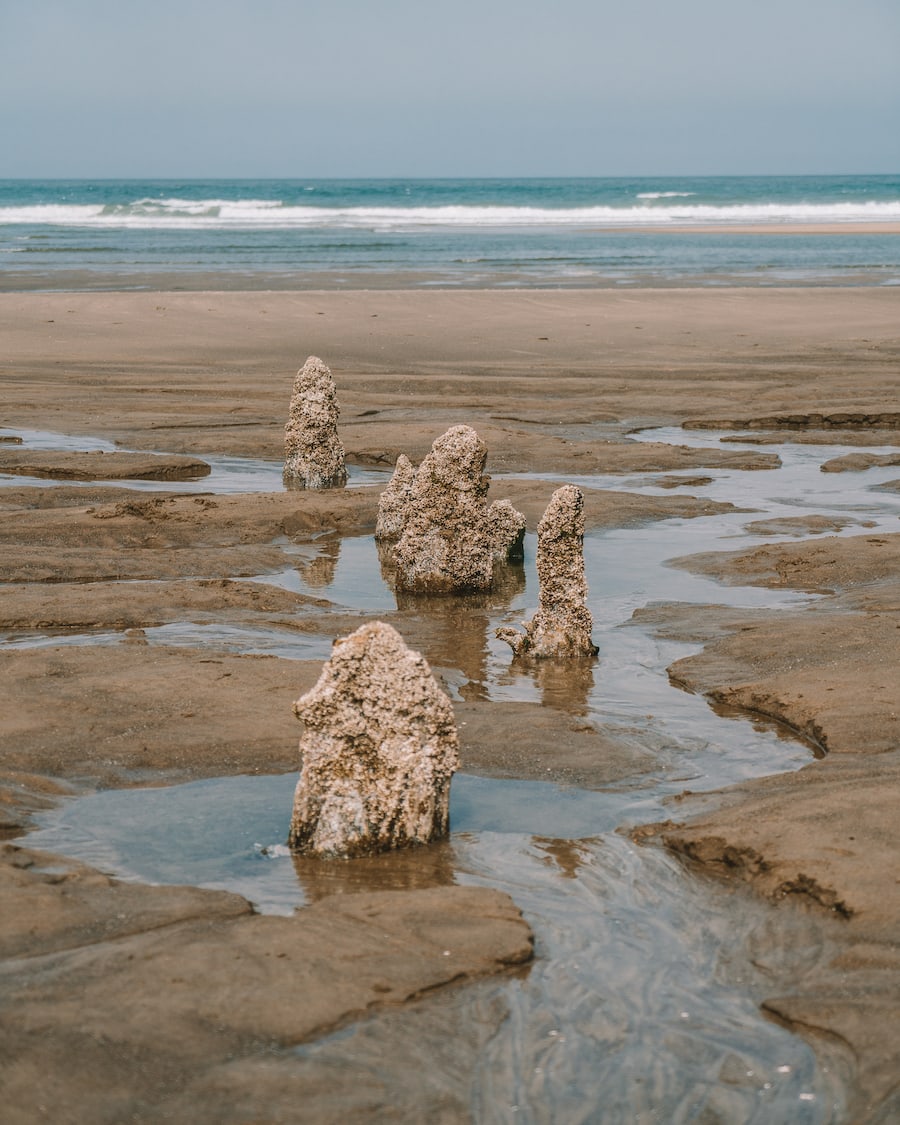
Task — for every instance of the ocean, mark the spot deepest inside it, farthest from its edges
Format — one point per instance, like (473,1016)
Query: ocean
(450,233)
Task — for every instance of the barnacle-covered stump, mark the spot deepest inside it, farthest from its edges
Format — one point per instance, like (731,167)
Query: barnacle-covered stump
(448,538)
(379,750)
(313,451)
(563,623)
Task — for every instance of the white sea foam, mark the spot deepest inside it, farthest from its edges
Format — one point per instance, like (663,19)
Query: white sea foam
(664,194)
(208,214)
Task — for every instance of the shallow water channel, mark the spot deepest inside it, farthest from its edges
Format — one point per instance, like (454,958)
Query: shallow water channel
(643,1001)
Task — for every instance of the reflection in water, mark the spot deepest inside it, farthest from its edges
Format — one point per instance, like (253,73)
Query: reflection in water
(565,684)
(508,583)
(453,631)
(408,869)
(294,484)
(385,550)
(642,1005)
(567,855)
(321,570)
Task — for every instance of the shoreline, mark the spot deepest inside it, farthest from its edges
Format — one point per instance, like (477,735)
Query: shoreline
(770,228)
(555,381)
(469,276)
(339,282)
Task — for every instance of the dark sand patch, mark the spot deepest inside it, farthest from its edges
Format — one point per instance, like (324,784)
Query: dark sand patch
(839,420)
(683,482)
(816,437)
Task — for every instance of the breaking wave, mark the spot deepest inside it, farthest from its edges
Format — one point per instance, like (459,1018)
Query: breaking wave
(656,209)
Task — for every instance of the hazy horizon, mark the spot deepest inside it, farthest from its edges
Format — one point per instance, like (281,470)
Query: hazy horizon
(260,89)
(394,178)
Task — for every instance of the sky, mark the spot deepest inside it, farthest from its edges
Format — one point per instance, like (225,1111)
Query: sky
(334,88)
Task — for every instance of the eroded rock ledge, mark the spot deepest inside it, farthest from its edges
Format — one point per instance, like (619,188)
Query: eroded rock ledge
(208,982)
(815,421)
(825,836)
(101,466)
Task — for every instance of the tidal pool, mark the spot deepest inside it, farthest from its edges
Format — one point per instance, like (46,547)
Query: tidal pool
(227,474)
(643,1001)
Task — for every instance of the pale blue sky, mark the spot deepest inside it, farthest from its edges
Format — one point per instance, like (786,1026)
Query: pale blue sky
(194,88)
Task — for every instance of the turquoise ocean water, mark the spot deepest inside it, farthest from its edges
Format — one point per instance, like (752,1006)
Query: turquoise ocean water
(448,233)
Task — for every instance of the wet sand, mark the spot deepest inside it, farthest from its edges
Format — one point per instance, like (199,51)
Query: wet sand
(555,383)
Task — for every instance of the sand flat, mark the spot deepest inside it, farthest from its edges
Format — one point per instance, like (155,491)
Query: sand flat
(203,372)
(559,380)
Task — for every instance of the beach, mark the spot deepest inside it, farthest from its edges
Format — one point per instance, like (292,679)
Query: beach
(221,1001)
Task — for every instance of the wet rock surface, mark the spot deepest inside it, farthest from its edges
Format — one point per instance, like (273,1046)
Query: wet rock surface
(100,466)
(506,532)
(393,503)
(859,462)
